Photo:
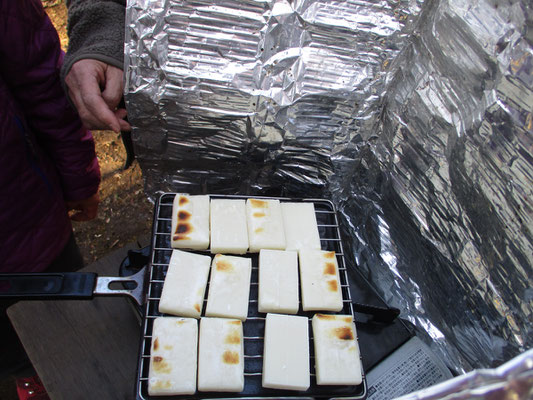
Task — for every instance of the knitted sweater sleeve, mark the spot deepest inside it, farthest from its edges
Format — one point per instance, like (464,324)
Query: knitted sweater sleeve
(96,30)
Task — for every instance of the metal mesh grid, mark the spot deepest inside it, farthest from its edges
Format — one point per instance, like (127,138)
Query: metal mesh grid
(253,327)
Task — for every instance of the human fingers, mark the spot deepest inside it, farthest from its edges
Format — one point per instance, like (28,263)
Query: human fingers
(73,81)
(86,209)
(113,93)
(84,81)
(94,111)
(84,214)
(114,86)
(79,216)
(124,125)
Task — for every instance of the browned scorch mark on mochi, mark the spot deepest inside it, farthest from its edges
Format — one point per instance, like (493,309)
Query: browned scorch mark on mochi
(234,337)
(162,385)
(230,357)
(197,307)
(156,343)
(258,203)
(329,254)
(181,237)
(326,316)
(184,215)
(160,365)
(259,214)
(329,269)
(343,333)
(224,265)
(183,228)
(183,200)
(333,286)
(182,231)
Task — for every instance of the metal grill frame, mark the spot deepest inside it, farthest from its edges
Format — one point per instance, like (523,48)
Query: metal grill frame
(160,249)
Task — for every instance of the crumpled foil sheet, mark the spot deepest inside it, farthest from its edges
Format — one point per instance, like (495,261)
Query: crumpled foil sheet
(455,225)
(414,117)
(256,96)
(513,380)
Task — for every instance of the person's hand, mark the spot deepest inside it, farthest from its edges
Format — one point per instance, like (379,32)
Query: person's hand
(96,88)
(85,210)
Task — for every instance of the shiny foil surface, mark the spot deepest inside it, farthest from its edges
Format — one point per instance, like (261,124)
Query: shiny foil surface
(414,117)
(512,380)
(256,96)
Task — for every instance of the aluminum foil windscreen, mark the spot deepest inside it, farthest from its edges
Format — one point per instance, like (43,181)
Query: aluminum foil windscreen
(456,143)
(414,117)
(256,95)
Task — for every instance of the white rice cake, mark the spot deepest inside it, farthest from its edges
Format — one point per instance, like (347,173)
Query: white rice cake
(337,360)
(190,222)
(173,357)
(265,225)
(185,283)
(301,228)
(229,287)
(286,352)
(229,231)
(278,281)
(221,355)
(319,279)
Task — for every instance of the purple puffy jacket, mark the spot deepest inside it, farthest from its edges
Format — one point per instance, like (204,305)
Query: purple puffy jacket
(46,156)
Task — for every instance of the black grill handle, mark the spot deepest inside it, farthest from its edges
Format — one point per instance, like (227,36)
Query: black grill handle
(379,314)
(34,286)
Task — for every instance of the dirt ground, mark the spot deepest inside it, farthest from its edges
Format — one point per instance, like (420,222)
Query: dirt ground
(125,212)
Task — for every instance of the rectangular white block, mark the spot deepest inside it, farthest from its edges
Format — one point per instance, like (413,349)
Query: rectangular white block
(265,225)
(337,360)
(173,357)
(286,352)
(221,355)
(301,229)
(319,280)
(185,283)
(229,287)
(190,222)
(278,281)
(229,230)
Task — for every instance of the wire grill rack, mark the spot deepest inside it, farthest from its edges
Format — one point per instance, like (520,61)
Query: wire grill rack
(254,325)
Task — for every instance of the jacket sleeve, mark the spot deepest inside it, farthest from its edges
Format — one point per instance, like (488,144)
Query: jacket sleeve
(30,62)
(96,30)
